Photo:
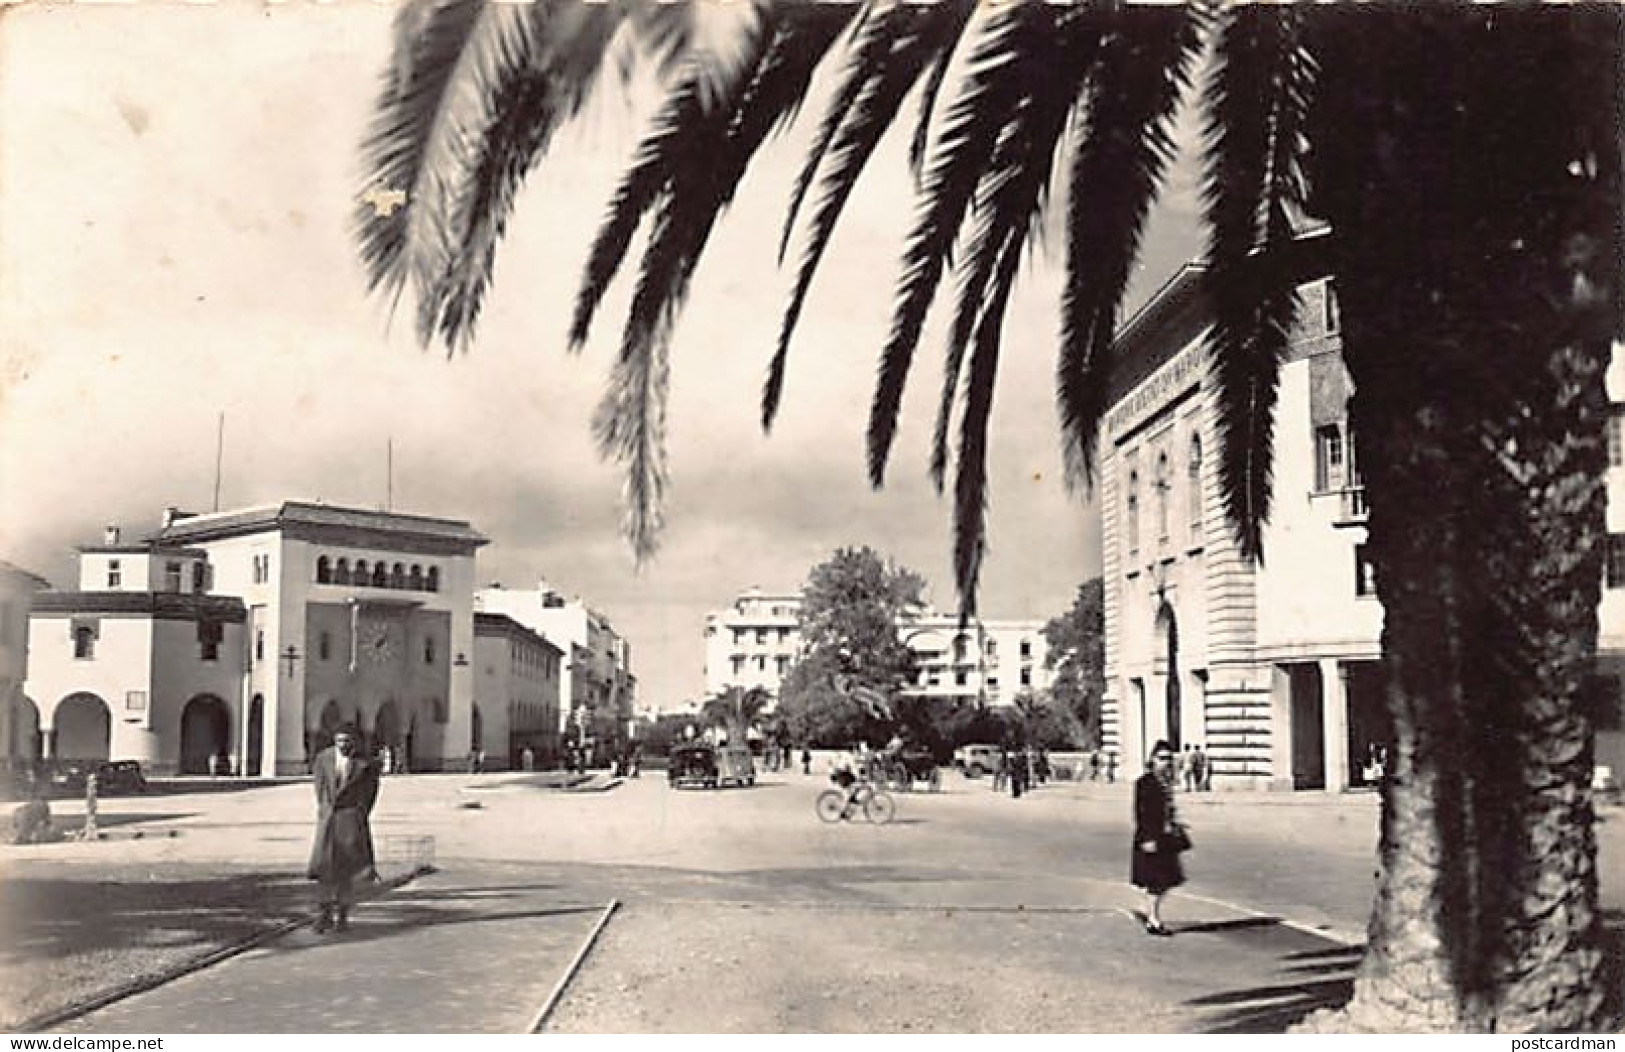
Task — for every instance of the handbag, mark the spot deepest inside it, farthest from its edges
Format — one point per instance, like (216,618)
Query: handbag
(1177,838)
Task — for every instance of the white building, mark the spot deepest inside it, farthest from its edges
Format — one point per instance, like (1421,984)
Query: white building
(754,642)
(252,634)
(598,690)
(516,692)
(1273,669)
(19,720)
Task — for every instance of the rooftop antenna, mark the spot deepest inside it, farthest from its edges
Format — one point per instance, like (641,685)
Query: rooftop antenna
(219,452)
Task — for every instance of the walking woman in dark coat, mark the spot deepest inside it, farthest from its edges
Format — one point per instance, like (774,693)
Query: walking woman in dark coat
(1155,854)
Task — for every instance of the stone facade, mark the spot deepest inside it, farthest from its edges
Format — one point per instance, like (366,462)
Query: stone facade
(1275,669)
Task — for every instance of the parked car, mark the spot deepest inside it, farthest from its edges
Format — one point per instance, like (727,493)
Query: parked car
(112,777)
(911,765)
(977,760)
(735,764)
(692,765)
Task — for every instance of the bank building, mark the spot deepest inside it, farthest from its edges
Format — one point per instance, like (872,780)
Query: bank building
(1273,669)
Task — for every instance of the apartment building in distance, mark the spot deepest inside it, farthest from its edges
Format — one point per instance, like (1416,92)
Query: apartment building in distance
(755,641)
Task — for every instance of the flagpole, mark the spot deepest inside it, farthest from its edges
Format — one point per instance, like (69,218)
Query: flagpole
(219,453)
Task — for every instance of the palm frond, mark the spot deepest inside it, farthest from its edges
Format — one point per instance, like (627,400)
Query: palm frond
(874,34)
(928,107)
(443,140)
(1124,147)
(433,41)
(699,167)
(531,105)
(1257,104)
(970,483)
(1011,198)
(892,50)
(989,94)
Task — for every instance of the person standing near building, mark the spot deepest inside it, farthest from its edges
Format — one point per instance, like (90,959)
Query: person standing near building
(346,783)
(1158,838)
(1199,768)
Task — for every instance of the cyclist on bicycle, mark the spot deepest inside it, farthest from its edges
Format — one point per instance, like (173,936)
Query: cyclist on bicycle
(844,773)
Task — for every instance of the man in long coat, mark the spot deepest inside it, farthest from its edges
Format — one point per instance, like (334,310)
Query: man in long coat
(346,788)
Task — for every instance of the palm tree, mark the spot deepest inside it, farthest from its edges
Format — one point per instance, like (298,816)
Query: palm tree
(736,710)
(1468,162)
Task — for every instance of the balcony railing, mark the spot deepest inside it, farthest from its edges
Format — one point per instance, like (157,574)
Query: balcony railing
(1351,506)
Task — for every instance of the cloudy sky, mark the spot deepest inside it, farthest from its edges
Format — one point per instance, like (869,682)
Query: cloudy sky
(175,187)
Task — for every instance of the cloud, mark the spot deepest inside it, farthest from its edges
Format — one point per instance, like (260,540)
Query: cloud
(176,243)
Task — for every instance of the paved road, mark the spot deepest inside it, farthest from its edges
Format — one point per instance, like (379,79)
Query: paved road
(743,912)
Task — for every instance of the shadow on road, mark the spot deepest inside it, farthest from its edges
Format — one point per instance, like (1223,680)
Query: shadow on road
(1309,980)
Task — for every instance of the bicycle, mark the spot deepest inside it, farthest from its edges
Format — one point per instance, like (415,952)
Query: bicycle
(837,805)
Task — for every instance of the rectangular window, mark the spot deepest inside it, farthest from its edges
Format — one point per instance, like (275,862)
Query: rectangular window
(84,642)
(738,662)
(199,577)
(115,575)
(761,636)
(1026,677)
(172,577)
(1616,435)
(739,637)
(259,644)
(208,636)
(960,679)
(761,663)
(1365,573)
(1330,318)
(783,664)
(1026,648)
(1614,565)
(1330,471)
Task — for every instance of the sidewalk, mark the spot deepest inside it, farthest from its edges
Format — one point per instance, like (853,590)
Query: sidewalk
(449,953)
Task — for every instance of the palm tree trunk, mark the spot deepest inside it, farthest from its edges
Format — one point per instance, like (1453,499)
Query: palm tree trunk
(1472,176)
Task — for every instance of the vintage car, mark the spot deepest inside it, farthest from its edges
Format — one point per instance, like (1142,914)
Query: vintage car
(977,760)
(112,777)
(692,765)
(735,764)
(912,766)
(710,766)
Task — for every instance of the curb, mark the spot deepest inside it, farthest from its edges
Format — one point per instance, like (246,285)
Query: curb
(553,998)
(57,1017)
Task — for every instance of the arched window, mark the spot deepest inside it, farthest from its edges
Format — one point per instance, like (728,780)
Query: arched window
(397,576)
(341,572)
(380,576)
(416,578)
(1132,512)
(324,571)
(361,576)
(1164,484)
(432,580)
(1194,488)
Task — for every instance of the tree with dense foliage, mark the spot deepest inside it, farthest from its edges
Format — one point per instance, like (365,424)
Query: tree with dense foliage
(1077,658)
(845,686)
(1468,160)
